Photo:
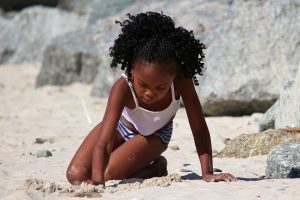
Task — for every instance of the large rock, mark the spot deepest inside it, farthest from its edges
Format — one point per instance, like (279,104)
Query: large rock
(253,144)
(24,37)
(81,7)
(104,8)
(246,51)
(8,44)
(81,56)
(73,57)
(286,111)
(251,55)
(284,161)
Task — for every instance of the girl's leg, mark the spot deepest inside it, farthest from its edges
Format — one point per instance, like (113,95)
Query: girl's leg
(79,168)
(132,159)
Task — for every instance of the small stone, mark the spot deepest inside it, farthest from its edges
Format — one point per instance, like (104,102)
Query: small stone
(174,147)
(217,170)
(43,153)
(40,140)
(185,170)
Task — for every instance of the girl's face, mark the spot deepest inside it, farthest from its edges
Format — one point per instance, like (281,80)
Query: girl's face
(152,81)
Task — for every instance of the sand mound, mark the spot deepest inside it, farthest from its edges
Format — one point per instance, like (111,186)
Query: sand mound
(94,191)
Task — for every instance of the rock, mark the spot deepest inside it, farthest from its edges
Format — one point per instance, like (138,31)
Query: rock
(7,40)
(250,56)
(102,8)
(268,119)
(43,153)
(253,144)
(286,111)
(24,37)
(284,161)
(217,170)
(73,57)
(174,147)
(81,7)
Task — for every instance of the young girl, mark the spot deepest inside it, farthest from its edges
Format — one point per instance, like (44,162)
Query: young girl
(160,63)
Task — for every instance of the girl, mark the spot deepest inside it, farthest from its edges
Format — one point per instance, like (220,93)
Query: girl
(160,63)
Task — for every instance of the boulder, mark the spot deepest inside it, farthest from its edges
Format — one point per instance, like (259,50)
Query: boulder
(286,111)
(102,8)
(250,57)
(24,37)
(253,144)
(284,161)
(81,7)
(73,57)
(81,56)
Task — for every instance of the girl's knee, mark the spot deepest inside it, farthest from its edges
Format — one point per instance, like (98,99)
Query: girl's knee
(76,175)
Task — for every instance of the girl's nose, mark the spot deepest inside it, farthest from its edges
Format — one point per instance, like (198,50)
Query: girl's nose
(150,94)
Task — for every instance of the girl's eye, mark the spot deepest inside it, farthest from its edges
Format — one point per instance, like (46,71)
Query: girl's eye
(161,89)
(143,85)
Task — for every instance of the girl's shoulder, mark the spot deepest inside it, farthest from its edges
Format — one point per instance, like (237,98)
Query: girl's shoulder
(122,91)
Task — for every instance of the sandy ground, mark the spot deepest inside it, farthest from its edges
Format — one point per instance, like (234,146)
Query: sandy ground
(62,116)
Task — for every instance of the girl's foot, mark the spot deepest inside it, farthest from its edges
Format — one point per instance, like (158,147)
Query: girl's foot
(157,168)
(160,166)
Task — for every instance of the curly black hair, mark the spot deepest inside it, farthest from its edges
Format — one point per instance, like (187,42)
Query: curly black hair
(153,37)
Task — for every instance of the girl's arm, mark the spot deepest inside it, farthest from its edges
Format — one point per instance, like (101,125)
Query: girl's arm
(200,130)
(115,105)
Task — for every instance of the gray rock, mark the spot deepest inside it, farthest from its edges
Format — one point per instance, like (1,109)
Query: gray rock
(7,40)
(286,111)
(250,56)
(43,153)
(73,57)
(82,7)
(268,119)
(103,8)
(254,144)
(284,161)
(25,37)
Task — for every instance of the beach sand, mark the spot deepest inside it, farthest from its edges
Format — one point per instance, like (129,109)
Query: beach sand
(57,119)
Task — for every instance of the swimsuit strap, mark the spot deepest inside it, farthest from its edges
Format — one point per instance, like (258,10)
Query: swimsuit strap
(173,92)
(133,94)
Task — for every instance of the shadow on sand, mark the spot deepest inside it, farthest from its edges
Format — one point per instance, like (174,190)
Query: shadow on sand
(194,176)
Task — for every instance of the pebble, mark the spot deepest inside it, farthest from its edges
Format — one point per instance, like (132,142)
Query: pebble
(217,170)
(185,170)
(43,153)
(174,147)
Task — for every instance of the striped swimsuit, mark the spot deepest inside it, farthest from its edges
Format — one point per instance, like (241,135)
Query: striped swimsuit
(148,122)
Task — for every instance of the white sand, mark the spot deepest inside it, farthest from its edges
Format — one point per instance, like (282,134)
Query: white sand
(64,115)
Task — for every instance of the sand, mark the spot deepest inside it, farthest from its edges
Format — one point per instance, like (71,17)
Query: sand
(58,118)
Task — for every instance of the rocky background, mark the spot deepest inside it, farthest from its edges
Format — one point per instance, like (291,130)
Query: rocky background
(253,46)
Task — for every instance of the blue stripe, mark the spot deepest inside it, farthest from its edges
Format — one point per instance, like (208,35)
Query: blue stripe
(164,133)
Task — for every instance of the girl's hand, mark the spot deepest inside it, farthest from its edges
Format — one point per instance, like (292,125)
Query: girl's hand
(219,177)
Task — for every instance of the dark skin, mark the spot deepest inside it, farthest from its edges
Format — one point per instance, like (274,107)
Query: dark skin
(104,155)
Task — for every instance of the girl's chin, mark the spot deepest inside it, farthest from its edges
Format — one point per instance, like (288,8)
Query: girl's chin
(147,101)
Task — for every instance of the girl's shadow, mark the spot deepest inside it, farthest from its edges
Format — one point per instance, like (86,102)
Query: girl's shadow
(194,176)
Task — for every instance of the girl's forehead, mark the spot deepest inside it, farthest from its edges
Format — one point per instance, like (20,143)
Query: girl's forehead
(154,72)
(168,66)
